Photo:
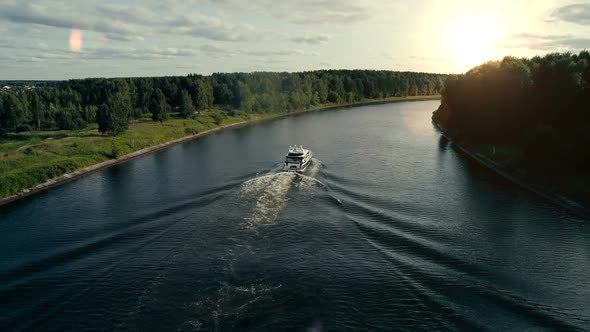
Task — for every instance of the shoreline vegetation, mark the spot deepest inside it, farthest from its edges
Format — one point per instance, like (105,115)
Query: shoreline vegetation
(528,120)
(51,128)
(142,137)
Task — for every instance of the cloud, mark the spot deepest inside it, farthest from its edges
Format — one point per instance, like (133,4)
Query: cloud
(138,53)
(210,28)
(23,45)
(545,42)
(124,22)
(41,52)
(311,39)
(215,50)
(576,13)
(55,15)
(124,37)
(279,53)
(307,11)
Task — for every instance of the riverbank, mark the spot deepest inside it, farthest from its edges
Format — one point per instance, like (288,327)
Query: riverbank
(70,155)
(555,197)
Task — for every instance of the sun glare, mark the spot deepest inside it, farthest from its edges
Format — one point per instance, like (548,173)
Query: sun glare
(473,41)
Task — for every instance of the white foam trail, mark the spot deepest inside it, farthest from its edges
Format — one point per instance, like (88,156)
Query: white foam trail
(233,301)
(314,167)
(308,180)
(272,190)
(309,176)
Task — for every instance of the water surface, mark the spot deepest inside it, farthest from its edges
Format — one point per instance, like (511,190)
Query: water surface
(389,229)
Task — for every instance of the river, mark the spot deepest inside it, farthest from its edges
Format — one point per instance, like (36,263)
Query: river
(389,229)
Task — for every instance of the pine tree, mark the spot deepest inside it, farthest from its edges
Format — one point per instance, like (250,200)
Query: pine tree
(113,119)
(102,118)
(160,109)
(186,104)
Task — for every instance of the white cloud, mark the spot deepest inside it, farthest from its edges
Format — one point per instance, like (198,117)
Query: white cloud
(307,11)
(546,42)
(124,22)
(40,52)
(312,39)
(288,52)
(575,13)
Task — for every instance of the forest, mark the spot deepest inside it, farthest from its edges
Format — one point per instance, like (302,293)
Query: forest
(541,104)
(114,102)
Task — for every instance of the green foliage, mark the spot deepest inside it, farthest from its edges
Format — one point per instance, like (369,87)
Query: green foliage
(117,149)
(333,97)
(186,108)
(70,118)
(74,104)
(191,131)
(203,95)
(34,157)
(160,108)
(113,118)
(89,113)
(79,107)
(102,117)
(540,107)
(23,128)
(217,117)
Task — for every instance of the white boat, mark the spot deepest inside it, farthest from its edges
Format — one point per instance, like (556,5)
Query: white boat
(297,159)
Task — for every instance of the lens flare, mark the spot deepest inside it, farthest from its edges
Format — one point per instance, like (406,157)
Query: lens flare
(75,40)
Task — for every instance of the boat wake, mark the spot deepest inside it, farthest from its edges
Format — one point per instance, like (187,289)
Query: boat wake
(224,303)
(270,193)
(314,168)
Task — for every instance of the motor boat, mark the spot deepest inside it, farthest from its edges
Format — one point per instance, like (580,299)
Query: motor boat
(297,159)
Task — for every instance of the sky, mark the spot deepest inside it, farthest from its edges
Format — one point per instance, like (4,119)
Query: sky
(48,39)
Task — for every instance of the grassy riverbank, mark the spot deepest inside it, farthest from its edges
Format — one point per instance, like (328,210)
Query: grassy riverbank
(31,158)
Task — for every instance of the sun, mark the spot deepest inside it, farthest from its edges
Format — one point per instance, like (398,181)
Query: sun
(473,41)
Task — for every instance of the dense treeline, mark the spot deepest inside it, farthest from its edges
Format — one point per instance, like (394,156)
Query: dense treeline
(540,104)
(112,103)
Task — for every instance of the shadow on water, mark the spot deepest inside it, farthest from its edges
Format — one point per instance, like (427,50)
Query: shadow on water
(443,143)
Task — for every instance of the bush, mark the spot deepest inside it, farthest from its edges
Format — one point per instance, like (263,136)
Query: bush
(23,128)
(116,150)
(191,131)
(218,117)
(230,112)
(333,97)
